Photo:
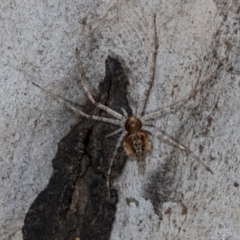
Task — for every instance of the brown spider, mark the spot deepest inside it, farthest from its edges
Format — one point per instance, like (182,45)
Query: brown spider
(134,129)
(135,133)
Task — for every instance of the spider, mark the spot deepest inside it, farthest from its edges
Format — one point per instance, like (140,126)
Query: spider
(134,129)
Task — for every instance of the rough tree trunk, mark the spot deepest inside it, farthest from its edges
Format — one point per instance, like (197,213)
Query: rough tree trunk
(176,198)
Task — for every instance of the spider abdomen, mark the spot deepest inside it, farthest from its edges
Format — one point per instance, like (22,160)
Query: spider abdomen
(137,144)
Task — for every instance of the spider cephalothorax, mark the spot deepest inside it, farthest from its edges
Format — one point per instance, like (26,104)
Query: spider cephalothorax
(136,142)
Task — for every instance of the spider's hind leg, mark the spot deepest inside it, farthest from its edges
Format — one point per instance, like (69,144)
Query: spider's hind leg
(178,145)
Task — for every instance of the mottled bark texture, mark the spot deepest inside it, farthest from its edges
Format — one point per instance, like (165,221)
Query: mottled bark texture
(75,202)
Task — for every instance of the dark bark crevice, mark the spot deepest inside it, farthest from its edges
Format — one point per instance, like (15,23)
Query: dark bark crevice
(75,203)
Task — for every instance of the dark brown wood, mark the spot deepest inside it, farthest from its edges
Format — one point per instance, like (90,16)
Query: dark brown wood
(75,203)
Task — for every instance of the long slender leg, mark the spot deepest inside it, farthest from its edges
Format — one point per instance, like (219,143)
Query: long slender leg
(176,144)
(176,105)
(143,102)
(68,105)
(115,132)
(124,112)
(99,105)
(112,161)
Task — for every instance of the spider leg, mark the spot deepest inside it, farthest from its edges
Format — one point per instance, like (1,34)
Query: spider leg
(70,106)
(124,112)
(151,77)
(176,105)
(148,122)
(112,161)
(180,146)
(115,132)
(97,104)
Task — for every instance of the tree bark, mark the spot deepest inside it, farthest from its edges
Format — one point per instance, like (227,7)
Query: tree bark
(176,198)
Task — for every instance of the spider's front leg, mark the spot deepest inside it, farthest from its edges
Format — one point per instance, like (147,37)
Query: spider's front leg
(151,75)
(99,105)
(90,97)
(159,113)
(77,110)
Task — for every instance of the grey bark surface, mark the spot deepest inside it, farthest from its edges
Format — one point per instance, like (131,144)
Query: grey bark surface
(176,198)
